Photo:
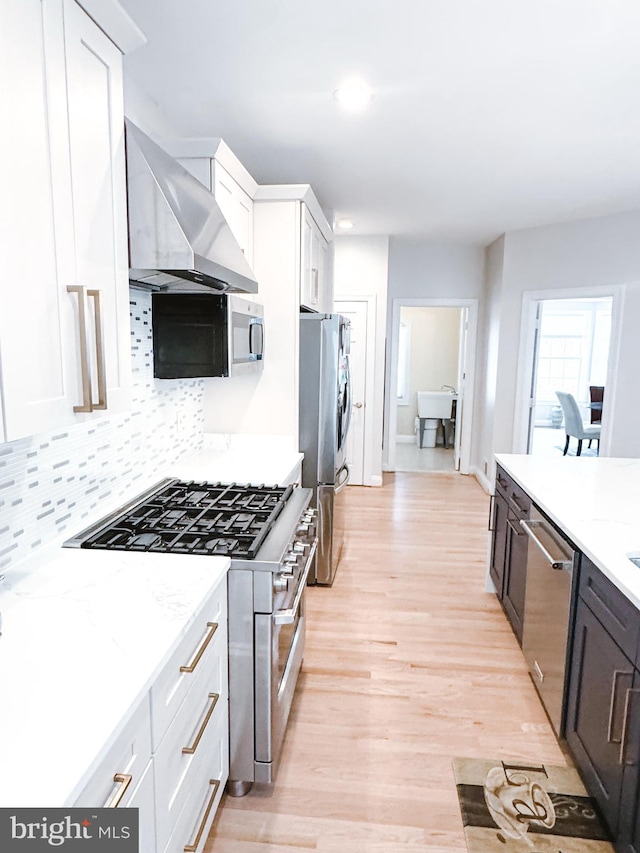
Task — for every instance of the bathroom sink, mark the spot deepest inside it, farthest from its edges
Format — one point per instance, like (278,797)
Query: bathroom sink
(435,404)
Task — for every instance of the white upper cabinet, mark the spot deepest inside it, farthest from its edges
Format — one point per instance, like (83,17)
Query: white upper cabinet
(213,163)
(64,303)
(236,205)
(314,282)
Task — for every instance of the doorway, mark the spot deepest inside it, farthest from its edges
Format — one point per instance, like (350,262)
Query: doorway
(568,343)
(430,343)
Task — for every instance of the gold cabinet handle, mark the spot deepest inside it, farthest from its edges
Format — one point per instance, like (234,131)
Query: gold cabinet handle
(213,627)
(123,780)
(189,750)
(84,351)
(191,848)
(100,354)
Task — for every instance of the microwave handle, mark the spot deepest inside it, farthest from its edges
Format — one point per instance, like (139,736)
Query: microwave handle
(252,327)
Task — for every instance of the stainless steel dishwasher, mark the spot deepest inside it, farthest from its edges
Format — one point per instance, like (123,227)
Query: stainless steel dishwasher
(550,560)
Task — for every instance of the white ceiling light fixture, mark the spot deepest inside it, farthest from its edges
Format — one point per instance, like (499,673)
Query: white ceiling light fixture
(354,97)
(345,224)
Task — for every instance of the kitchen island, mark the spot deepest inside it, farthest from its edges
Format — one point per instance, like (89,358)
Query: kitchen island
(595,501)
(578,620)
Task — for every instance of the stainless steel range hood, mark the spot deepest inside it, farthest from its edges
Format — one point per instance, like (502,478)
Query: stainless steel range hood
(178,236)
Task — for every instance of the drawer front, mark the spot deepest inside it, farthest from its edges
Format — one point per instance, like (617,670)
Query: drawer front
(616,613)
(194,822)
(188,739)
(121,771)
(194,655)
(177,773)
(142,799)
(503,481)
(519,501)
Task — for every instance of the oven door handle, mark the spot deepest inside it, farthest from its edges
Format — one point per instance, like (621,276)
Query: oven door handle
(287,617)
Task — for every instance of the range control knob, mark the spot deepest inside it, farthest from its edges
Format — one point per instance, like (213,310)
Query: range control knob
(280,584)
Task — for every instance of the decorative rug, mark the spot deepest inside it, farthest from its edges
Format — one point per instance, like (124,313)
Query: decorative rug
(514,807)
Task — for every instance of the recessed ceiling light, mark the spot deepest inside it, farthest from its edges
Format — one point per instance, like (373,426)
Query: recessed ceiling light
(353,97)
(345,224)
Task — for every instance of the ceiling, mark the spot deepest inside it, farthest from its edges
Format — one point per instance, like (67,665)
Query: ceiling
(487,115)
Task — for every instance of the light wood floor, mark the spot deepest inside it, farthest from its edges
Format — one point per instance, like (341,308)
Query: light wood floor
(408,664)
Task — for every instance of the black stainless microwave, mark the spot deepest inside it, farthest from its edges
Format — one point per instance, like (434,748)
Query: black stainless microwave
(205,334)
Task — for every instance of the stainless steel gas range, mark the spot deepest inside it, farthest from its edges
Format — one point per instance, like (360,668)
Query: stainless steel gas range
(269,532)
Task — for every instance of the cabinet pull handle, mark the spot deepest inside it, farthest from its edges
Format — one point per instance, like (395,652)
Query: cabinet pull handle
(625,722)
(100,355)
(123,781)
(612,704)
(213,627)
(84,352)
(555,563)
(189,750)
(314,287)
(490,523)
(191,848)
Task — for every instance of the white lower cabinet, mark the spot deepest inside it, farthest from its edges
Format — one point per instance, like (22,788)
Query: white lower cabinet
(171,759)
(206,786)
(125,777)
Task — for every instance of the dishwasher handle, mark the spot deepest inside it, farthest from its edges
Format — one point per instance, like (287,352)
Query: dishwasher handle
(561,564)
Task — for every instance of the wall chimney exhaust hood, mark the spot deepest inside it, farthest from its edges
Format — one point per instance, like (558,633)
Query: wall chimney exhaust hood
(178,236)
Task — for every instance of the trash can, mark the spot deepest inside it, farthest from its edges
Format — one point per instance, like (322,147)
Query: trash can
(430,431)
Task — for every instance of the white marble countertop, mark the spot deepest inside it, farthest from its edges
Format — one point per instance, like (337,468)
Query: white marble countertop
(84,634)
(596,501)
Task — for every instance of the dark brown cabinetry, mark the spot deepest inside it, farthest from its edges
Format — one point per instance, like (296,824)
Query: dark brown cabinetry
(508,567)
(603,713)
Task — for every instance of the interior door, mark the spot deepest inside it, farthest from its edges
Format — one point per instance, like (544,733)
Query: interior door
(357,312)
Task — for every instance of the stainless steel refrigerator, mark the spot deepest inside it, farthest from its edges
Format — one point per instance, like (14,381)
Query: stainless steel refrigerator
(325,412)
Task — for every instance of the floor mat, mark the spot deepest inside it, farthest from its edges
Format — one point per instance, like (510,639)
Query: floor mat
(515,807)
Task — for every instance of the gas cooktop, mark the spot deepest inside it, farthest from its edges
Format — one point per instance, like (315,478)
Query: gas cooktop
(191,517)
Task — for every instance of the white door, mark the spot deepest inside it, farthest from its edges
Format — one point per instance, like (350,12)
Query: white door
(357,312)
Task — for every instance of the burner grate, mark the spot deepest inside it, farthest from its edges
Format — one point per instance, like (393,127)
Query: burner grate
(197,518)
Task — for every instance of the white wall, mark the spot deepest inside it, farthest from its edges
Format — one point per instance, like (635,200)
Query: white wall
(600,252)
(361,268)
(267,403)
(419,270)
(426,270)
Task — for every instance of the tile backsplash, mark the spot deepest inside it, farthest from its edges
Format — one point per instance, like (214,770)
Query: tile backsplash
(51,481)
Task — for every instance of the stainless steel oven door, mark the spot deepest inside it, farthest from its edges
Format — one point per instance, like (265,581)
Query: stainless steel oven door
(279,648)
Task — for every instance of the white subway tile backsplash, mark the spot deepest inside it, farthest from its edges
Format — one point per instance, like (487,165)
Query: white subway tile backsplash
(50,482)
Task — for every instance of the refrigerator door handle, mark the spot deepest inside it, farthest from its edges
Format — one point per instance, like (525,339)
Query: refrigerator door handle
(342,478)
